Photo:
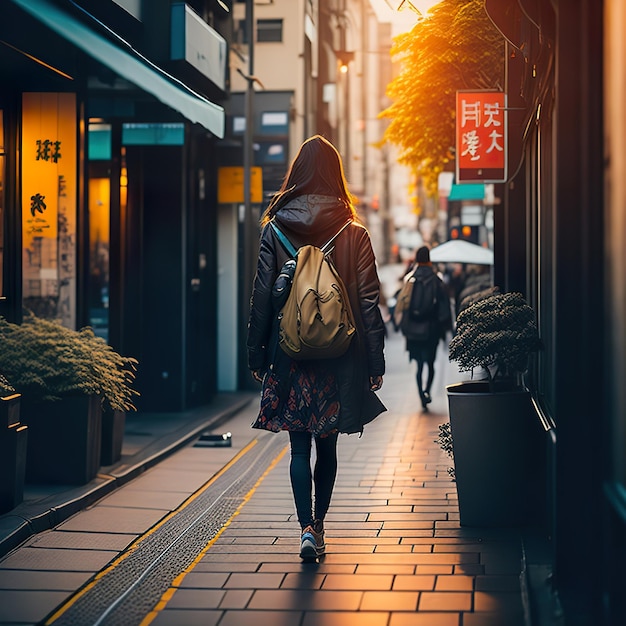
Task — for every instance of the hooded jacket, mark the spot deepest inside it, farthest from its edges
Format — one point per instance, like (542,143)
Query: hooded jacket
(314,219)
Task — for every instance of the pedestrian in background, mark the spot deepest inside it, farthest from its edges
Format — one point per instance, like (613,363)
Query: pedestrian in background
(424,317)
(318,399)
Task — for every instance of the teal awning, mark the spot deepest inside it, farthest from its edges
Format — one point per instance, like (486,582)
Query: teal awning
(126,62)
(467,191)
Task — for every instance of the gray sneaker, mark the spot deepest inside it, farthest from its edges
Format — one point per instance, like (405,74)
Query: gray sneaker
(312,544)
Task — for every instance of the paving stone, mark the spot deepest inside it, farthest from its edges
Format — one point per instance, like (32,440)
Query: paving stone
(426,619)
(408,524)
(290,599)
(146,499)
(358,582)
(320,568)
(254,581)
(385,569)
(445,601)
(226,566)
(303,580)
(454,583)
(196,599)
(42,581)
(52,559)
(203,580)
(327,618)
(260,618)
(500,601)
(384,600)
(416,582)
(28,607)
(471,569)
(435,569)
(492,619)
(394,548)
(83,540)
(236,599)
(178,617)
(114,519)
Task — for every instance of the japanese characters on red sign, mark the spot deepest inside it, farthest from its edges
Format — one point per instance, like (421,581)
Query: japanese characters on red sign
(481,150)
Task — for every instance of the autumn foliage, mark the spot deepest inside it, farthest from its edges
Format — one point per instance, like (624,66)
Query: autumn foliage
(456,47)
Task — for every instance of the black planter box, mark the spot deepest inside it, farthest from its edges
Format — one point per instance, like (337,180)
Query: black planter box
(499,453)
(113,423)
(64,440)
(13,440)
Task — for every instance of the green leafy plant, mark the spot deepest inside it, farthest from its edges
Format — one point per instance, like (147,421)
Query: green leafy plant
(6,388)
(444,439)
(46,361)
(497,333)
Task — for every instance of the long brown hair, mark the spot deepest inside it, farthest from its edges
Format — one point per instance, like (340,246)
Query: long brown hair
(317,169)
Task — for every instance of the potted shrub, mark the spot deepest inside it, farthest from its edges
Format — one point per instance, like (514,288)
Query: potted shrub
(13,438)
(66,378)
(496,436)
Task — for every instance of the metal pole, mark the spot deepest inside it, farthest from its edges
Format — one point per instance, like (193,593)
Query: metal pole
(249,133)
(247,227)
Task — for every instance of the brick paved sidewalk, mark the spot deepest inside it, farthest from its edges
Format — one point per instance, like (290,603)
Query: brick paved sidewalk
(396,555)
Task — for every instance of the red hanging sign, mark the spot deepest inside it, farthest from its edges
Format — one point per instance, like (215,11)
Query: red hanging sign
(481,136)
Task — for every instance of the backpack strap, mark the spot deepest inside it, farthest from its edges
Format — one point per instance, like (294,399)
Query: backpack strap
(326,248)
(287,245)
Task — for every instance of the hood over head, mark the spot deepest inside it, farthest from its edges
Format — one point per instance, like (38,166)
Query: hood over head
(313,215)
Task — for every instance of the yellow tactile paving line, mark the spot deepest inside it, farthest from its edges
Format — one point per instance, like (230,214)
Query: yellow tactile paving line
(61,610)
(165,598)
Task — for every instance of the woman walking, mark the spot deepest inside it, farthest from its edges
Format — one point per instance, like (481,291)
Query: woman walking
(316,400)
(425,320)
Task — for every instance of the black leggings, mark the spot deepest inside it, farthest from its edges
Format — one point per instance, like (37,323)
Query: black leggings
(429,379)
(323,476)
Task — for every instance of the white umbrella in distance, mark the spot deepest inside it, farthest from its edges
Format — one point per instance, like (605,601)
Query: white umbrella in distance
(461,251)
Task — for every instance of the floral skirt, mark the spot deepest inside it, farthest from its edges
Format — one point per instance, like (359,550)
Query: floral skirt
(306,400)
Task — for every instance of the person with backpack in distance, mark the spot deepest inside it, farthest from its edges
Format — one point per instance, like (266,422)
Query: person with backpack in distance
(315,332)
(424,317)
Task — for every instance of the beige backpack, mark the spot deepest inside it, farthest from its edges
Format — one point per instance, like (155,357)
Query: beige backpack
(316,321)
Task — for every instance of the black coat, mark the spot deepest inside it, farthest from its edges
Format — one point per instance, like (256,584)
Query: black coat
(314,219)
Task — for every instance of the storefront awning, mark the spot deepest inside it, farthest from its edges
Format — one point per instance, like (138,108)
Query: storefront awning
(467,191)
(129,64)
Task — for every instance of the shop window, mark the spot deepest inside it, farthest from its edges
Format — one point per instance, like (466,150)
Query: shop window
(99,211)
(270,153)
(275,123)
(99,145)
(239,125)
(269,31)
(49,205)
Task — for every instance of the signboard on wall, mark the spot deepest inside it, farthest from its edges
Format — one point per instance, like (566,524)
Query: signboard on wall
(481,136)
(230,185)
(48,159)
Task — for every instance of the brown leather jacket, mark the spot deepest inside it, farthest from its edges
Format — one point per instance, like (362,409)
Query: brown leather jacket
(314,219)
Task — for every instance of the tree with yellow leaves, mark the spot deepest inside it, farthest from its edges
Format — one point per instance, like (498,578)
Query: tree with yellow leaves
(455,48)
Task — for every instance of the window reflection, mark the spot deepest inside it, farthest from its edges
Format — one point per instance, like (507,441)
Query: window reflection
(99,227)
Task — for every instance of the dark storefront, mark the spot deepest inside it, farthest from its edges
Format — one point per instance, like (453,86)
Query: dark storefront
(109,175)
(554,242)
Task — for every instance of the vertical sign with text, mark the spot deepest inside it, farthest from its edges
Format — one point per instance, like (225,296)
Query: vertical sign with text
(49,204)
(481,136)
